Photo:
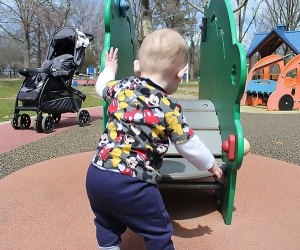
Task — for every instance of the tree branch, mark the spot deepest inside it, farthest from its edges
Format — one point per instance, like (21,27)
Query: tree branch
(11,36)
(197,7)
(252,20)
(241,6)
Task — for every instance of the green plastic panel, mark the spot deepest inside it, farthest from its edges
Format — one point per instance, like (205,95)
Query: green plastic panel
(119,33)
(223,71)
(222,80)
(222,74)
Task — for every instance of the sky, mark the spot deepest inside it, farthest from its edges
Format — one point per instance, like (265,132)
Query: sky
(248,38)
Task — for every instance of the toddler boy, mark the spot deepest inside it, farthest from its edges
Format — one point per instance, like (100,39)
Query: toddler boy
(142,117)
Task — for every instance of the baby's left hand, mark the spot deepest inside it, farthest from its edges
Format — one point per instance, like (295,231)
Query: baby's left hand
(111,60)
(217,171)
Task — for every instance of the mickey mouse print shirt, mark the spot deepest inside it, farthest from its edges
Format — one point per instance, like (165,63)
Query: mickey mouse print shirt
(141,119)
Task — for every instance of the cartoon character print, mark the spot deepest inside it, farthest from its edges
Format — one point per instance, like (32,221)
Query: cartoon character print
(131,163)
(113,90)
(188,130)
(127,142)
(127,171)
(172,120)
(113,107)
(134,115)
(149,117)
(126,93)
(158,131)
(115,155)
(126,83)
(178,129)
(103,153)
(152,100)
(103,140)
(159,113)
(120,137)
(141,155)
(162,149)
(148,167)
(129,139)
(112,130)
(135,129)
(135,83)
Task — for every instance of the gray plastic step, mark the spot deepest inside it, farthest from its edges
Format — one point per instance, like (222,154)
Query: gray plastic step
(177,169)
(197,105)
(210,138)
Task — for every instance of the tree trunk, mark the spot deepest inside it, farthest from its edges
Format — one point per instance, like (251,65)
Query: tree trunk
(192,58)
(26,49)
(146,18)
(39,47)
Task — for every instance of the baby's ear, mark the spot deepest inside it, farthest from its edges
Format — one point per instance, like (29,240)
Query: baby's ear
(136,68)
(181,72)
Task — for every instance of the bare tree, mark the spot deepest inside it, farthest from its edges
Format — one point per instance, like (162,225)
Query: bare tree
(58,12)
(241,14)
(168,14)
(87,16)
(52,16)
(142,14)
(146,18)
(285,12)
(201,8)
(17,17)
(21,21)
(11,57)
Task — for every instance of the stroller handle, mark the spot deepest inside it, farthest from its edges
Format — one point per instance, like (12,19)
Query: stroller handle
(26,71)
(89,36)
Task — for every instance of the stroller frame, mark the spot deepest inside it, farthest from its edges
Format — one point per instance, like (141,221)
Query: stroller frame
(52,101)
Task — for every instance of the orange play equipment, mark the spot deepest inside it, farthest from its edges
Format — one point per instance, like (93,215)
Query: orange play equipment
(287,93)
(277,91)
(255,92)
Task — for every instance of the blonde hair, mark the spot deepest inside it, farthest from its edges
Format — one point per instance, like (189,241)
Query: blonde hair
(163,50)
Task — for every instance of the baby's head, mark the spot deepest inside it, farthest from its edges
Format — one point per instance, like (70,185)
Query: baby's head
(163,53)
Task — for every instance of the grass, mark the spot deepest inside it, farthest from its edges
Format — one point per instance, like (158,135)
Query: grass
(8,93)
(10,88)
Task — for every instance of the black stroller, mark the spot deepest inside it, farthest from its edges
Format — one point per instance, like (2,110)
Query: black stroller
(48,89)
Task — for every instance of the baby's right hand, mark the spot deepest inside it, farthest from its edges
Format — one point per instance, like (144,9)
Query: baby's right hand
(216,170)
(111,60)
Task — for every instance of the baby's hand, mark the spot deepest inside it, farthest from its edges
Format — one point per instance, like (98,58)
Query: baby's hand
(111,60)
(216,170)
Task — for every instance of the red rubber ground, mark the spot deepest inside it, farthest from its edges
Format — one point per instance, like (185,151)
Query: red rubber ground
(44,206)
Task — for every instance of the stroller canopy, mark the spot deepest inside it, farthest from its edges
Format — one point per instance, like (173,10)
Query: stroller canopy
(68,41)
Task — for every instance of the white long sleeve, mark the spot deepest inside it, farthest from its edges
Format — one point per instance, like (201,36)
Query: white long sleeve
(105,76)
(196,153)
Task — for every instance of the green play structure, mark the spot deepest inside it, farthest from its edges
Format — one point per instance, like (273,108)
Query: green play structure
(215,117)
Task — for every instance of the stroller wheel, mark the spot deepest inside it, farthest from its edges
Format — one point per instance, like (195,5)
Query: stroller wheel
(56,118)
(14,122)
(83,117)
(24,121)
(37,125)
(48,124)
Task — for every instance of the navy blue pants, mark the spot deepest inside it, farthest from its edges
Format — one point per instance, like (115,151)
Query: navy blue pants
(120,201)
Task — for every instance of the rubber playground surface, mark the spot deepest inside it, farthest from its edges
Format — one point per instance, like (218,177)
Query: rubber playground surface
(44,206)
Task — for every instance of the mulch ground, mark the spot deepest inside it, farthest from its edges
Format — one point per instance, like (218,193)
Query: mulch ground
(271,135)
